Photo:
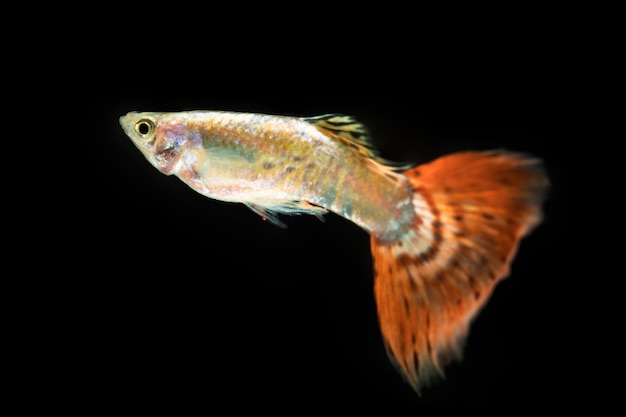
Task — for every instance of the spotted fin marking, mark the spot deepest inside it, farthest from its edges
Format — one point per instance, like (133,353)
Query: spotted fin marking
(354,135)
(346,127)
(472,209)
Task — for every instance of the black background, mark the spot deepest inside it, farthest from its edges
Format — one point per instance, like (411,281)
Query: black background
(180,301)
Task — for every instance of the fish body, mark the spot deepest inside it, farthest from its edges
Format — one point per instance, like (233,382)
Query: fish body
(276,164)
(442,234)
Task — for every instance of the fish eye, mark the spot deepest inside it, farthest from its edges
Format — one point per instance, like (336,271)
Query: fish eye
(145,128)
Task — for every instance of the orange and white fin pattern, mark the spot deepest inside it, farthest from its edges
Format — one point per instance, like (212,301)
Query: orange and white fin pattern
(472,209)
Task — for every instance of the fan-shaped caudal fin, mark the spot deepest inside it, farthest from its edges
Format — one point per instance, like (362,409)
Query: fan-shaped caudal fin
(472,209)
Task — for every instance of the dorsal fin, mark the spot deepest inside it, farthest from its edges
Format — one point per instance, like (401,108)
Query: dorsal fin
(353,134)
(347,129)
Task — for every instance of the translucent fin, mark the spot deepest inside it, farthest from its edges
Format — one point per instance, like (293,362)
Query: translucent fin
(270,210)
(472,209)
(354,135)
(266,214)
(346,127)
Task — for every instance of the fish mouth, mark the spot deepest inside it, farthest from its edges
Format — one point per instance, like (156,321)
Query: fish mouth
(126,120)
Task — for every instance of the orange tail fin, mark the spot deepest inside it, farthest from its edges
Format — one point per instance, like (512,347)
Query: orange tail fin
(472,209)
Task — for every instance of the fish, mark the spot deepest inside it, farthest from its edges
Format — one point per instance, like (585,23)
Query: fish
(443,234)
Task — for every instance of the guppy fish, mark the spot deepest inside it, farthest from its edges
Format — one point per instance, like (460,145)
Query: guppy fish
(443,234)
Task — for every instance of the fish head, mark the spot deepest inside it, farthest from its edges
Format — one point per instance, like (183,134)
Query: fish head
(159,139)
